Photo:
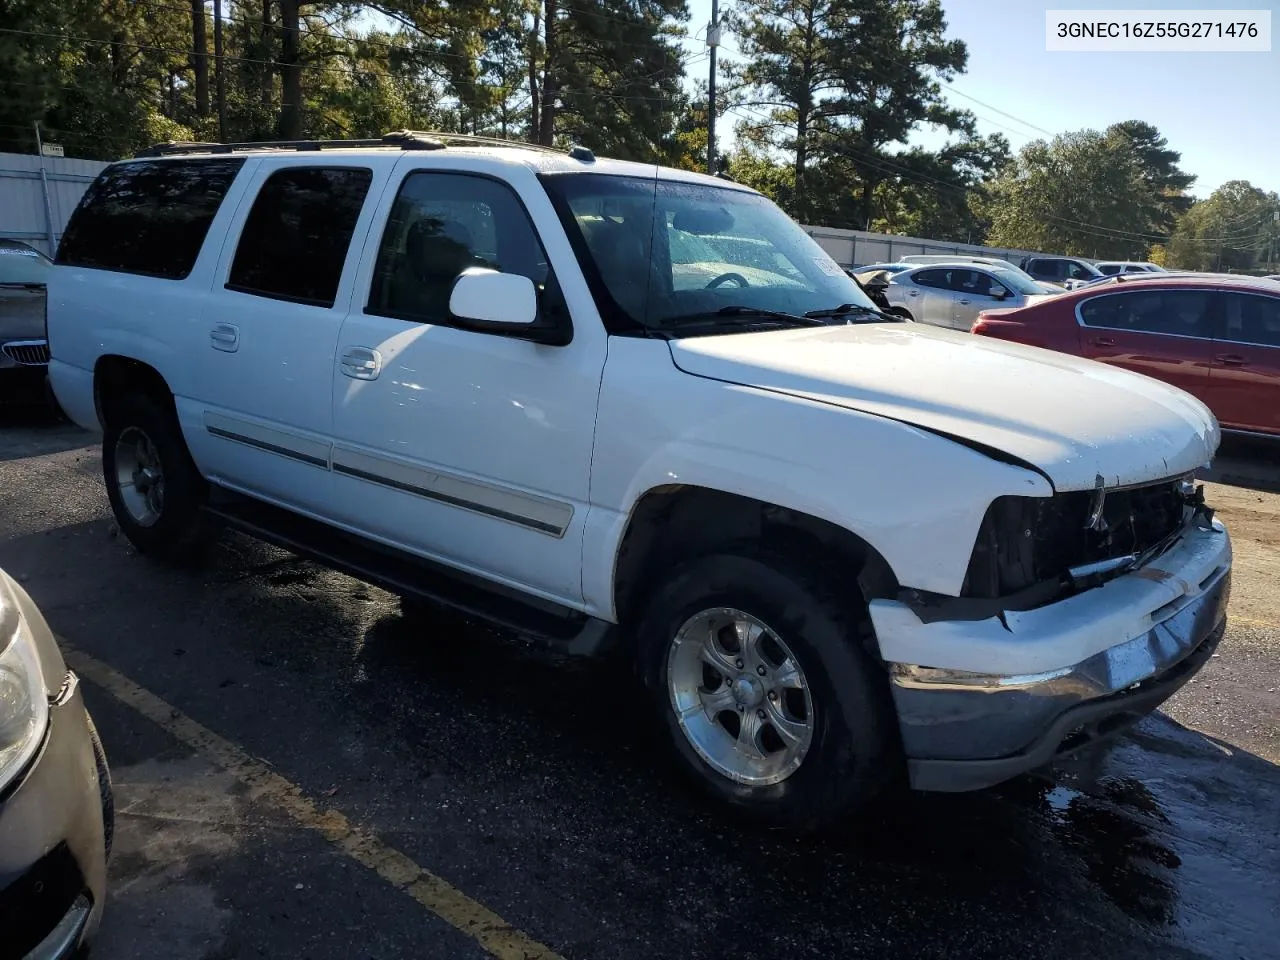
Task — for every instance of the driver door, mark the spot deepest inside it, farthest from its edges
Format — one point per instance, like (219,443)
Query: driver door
(472,449)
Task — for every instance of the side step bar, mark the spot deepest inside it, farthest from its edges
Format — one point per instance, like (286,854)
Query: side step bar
(398,572)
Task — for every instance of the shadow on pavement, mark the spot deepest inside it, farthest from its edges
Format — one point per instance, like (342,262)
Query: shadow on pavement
(1247,462)
(35,429)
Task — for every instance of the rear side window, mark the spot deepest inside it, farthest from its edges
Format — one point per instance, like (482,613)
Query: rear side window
(295,239)
(931,278)
(1183,313)
(148,217)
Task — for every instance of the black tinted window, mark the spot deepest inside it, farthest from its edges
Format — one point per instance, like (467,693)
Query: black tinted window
(1186,313)
(440,225)
(148,216)
(931,278)
(295,240)
(1252,319)
(1110,269)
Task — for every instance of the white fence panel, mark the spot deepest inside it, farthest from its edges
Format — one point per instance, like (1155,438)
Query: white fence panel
(857,248)
(23,213)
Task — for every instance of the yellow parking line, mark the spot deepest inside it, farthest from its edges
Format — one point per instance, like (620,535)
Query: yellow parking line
(435,893)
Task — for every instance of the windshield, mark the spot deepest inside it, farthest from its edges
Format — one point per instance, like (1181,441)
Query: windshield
(666,251)
(1017,282)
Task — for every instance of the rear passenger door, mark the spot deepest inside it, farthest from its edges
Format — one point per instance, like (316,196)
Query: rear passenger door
(1166,334)
(1244,382)
(280,292)
(928,297)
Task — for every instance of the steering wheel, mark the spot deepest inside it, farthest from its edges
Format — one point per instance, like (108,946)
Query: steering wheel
(737,278)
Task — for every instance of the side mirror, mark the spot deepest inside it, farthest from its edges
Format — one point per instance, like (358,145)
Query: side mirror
(999,292)
(492,297)
(487,301)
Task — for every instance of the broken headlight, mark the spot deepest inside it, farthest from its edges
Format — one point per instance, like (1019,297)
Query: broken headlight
(1026,541)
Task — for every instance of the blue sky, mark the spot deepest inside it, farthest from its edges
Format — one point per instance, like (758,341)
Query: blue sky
(1221,110)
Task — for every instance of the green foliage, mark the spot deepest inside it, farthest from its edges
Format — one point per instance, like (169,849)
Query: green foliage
(1085,194)
(1235,229)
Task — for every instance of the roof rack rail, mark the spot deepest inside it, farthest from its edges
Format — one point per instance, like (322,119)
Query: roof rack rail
(404,139)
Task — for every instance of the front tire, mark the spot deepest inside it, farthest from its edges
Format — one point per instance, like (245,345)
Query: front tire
(155,489)
(761,675)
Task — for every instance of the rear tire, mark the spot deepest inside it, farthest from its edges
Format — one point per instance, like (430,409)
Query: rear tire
(807,674)
(155,489)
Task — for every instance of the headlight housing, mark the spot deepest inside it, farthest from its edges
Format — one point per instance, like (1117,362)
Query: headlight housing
(24,708)
(1025,541)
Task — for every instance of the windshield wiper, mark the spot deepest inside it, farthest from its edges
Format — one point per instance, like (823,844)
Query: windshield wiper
(721,317)
(847,308)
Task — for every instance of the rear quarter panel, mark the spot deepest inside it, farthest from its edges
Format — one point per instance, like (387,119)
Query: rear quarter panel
(96,313)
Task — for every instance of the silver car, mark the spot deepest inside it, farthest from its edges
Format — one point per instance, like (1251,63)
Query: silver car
(952,295)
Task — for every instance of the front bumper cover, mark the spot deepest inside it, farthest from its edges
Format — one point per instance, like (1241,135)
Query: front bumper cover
(52,850)
(964,730)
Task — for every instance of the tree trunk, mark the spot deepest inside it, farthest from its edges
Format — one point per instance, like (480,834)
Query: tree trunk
(867,197)
(200,57)
(220,68)
(550,82)
(290,73)
(266,46)
(802,159)
(535,115)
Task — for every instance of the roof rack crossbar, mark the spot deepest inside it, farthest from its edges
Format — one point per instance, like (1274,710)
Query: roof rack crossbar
(404,139)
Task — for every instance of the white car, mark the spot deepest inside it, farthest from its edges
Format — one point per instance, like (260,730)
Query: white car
(1112,267)
(839,548)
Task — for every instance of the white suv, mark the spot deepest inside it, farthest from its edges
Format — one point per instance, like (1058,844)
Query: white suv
(609,404)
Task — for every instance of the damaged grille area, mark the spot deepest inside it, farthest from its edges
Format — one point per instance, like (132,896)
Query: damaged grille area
(1025,541)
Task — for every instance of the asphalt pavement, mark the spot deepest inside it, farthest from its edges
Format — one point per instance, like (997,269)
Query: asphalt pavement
(302,773)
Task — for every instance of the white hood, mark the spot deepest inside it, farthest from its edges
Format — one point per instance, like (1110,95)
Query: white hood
(1073,419)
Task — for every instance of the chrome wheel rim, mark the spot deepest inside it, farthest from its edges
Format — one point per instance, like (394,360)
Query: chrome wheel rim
(139,476)
(740,697)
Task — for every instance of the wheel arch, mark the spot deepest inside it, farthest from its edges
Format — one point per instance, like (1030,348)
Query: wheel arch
(675,522)
(116,375)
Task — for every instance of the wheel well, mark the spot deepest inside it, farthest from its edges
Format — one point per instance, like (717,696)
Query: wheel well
(901,312)
(115,377)
(674,523)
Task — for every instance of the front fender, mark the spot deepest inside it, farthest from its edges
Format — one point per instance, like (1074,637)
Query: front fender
(916,497)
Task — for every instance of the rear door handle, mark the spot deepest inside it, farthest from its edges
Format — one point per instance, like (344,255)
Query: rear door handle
(962,301)
(1231,360)
(1103,342)
(361,363)
(913,293)
(225,337)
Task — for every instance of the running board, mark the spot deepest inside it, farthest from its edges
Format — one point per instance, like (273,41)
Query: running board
(564,628)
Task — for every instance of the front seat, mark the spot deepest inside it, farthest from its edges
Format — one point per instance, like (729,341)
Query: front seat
(437,251)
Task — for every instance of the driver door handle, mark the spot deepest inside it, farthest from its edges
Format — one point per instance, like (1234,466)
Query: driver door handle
(1103,341)
(1231,360)
(361,363)
(913,293)
(225,337)
(962,301)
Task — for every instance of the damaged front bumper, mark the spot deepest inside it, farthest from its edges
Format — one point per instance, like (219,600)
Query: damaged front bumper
(981,701)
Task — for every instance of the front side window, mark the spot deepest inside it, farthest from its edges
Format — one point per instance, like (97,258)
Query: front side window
(1184,313)
(295,240)
(1109,269)
(1014,282)
(1252,319)
(148,217)
(442,224)
(1078,271)
(663,253)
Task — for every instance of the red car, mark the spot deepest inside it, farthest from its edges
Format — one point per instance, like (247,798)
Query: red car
(1215,336)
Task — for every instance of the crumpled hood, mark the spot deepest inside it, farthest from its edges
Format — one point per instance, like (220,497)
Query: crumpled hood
(1073,419)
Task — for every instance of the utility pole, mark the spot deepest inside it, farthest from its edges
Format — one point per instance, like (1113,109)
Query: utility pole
(220,66)
(44,189)
(713,41)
